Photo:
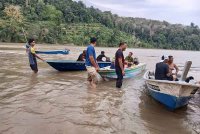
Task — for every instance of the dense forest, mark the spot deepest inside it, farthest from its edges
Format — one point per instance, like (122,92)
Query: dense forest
(67,21)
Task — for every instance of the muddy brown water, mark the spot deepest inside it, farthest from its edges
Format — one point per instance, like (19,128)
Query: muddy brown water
(53,102)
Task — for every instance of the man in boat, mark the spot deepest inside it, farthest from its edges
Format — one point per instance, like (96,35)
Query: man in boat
(119,64)
(82,56)
(112,66)
(32,55)
(135,61)
(162,70)
(101,56)
(91,63)
(129,59)
(191,80)
(173,66)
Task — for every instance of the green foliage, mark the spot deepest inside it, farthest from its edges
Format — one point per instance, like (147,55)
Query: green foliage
(49,13)
(67,21)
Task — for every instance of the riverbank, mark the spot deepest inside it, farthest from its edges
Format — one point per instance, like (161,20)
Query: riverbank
(46,46)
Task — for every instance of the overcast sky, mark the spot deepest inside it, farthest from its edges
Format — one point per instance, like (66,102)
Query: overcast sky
(173,11)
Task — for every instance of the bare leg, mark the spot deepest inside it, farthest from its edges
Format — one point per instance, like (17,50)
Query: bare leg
(94,81)
(35,71)
(89,79)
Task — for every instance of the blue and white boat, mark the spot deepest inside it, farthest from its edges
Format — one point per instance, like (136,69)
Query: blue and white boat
(130,72)
(65,51)
(70,65)
(173,94)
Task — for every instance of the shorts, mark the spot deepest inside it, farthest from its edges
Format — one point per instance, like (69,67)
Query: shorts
(34,67)
(92,74)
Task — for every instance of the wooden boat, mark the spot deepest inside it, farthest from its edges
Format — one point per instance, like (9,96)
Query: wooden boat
(53,52)
(173,94)
(69,65)
(129,72)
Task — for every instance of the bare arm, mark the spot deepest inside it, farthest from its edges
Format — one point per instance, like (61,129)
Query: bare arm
(26,50)
(177,69)
(97,64)
(92,60)
(121,64)
(127,62)
(38,57)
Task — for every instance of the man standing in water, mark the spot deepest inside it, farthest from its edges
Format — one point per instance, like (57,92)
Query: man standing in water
(119,64)
(91,63)
(32,55)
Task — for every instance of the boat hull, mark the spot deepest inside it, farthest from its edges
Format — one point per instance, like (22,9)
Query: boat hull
(129,72)
(171,102)
(170,93)
(66,65)
(53,52)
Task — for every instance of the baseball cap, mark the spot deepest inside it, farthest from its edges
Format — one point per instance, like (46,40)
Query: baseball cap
(164,57)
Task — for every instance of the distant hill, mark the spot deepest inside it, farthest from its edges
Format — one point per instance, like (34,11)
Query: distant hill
(67,21)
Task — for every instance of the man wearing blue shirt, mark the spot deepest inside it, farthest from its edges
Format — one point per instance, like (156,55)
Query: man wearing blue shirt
(91,63)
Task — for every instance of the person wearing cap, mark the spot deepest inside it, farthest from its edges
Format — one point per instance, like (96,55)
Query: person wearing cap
(162,70)
(129,59)
(162,58)
(101,56)
(32,55)
(91,63)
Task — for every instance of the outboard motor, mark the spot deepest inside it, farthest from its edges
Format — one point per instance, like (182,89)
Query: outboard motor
(186,70)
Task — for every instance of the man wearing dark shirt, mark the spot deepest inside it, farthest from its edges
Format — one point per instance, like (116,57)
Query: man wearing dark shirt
(99,58)
(82,56)
(162,70)
(119,64)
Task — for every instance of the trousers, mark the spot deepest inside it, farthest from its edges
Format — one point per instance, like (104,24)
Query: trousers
(119,77)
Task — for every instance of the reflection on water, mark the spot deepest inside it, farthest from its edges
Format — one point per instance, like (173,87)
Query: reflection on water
(52,102)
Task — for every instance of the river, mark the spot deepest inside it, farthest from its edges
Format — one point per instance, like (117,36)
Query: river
(53,102)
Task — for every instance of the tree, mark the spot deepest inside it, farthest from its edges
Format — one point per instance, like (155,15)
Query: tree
(13,13)
(11,25)
(50,13)
(70,21)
